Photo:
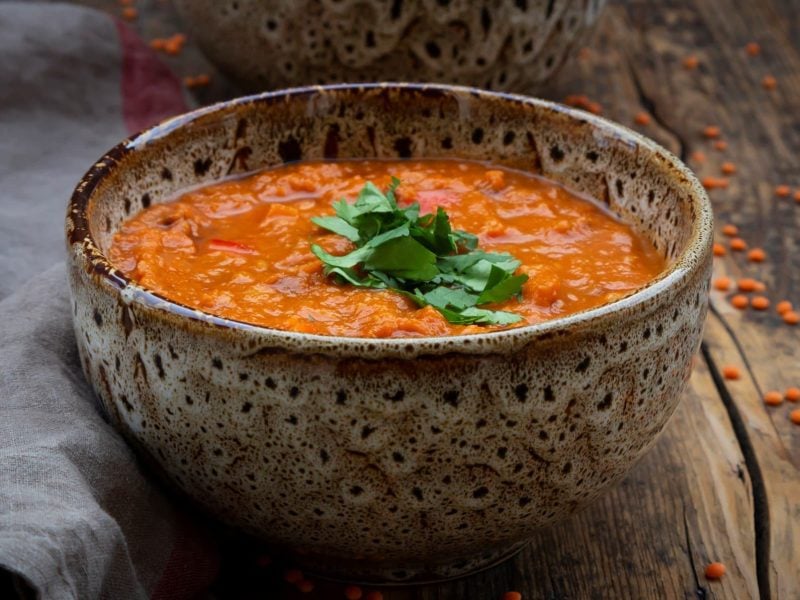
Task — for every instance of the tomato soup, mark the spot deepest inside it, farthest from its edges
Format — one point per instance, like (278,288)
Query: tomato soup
(241,248)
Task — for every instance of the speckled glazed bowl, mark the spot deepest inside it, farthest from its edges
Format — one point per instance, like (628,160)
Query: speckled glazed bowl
(391,459)
(513,45)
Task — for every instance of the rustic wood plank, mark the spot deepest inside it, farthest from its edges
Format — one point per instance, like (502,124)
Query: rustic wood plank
(763,132)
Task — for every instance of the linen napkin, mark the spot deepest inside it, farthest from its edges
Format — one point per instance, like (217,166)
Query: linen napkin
(78,518)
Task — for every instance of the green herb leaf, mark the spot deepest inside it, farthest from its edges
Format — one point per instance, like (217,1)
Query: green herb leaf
(337,225)
(421,257)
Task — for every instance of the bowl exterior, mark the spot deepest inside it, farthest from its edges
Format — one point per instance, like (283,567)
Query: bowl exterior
(390,460)
(501,45)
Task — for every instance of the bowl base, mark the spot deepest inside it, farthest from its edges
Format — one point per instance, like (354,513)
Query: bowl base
(364,572)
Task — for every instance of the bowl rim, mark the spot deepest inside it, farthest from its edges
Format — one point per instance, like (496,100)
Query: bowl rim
(81,244)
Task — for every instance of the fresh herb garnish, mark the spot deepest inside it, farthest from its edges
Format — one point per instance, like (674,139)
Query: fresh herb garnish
(421,257)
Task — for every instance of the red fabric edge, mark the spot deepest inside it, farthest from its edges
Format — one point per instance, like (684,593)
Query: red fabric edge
(150,91)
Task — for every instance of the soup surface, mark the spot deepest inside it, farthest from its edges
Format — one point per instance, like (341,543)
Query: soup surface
(241,248)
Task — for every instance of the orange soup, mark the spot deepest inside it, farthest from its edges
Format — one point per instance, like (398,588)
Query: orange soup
(242,248)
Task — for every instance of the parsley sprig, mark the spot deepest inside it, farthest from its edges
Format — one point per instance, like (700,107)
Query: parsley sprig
(421,257)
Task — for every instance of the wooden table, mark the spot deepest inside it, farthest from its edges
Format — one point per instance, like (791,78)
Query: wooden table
(723,482)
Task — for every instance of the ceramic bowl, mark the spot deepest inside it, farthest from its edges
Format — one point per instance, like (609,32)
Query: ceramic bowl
(391,459)
(505,45)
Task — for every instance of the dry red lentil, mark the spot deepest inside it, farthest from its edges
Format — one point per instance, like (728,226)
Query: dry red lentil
(129,13)
(791,317)
(712,183)
(698,156)
(715,570)
(756,255)
(691,62)
(792,394)
(728,168)
(797,196)
(305,586)
(293,576)
(730,230)
(769,82)
(794,416)
(753,49)
(782,191)
(719,250)
(740,301)
(745,284)
(731,372)
(722,284)
(353,592)
(721,145)
(738,244)
(711,132)
(783,307)
(773,398)
(642,118)
(512,596)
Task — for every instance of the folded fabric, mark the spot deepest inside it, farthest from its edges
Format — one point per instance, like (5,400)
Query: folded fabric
(79,518)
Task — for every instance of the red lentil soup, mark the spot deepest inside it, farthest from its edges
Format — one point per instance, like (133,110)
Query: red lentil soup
(241,248)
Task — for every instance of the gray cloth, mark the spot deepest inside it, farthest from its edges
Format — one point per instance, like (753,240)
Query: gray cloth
(60,108)
(78,517)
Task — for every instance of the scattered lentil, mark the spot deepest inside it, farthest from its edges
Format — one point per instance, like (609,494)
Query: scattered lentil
(719,250)
(722,284)
(691,62)
(129,13)
(583,101)
(642,118)
(712,183)
(793,394)
(769,82)
(773,398)
(760,303)
(730,230)
(293,576)
(740,301)
(756,255)
(790,317)
(305,586)
(783,307)
(731,372)
(700,157)
(753,49)
(782,191)
(738,244)
(353,592)
(715,570)
(711,132)
(794,416)
(721,145)
(745,284)
(512,596)
(728,168)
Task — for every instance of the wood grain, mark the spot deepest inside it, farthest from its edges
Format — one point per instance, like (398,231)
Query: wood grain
(723,482)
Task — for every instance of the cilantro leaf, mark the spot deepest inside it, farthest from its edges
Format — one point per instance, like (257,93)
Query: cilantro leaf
(337,225)
(420,256)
